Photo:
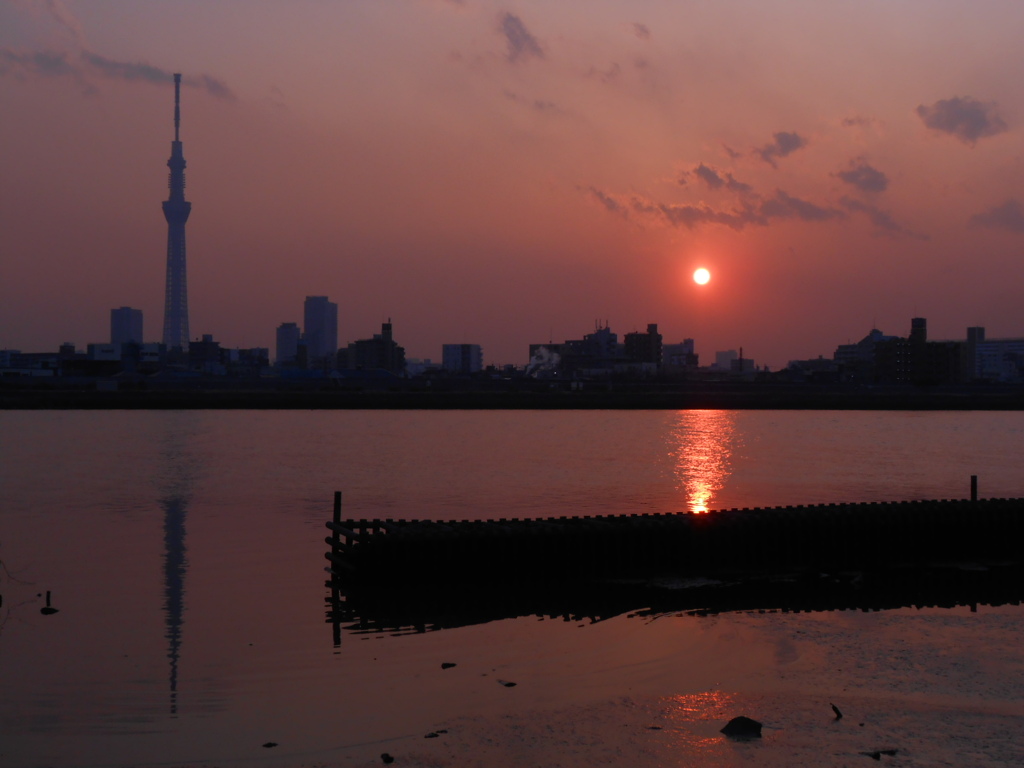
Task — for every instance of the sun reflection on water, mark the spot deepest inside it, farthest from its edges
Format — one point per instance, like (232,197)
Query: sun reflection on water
(693,726)
(702,446)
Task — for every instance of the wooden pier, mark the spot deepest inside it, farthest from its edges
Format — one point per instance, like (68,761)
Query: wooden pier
(371,561)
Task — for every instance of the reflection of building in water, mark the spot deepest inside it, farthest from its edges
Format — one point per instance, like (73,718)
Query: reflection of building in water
(703,447)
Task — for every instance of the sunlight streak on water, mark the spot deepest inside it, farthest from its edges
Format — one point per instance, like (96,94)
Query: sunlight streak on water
(704,442)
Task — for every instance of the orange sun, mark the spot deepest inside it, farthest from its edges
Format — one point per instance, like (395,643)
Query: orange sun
(701,276)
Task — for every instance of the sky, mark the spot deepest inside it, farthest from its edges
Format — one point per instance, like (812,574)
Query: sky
(508,173)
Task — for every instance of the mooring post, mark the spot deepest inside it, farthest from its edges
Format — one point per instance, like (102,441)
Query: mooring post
(974,487)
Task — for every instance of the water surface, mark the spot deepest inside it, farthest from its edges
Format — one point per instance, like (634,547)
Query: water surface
(184,551)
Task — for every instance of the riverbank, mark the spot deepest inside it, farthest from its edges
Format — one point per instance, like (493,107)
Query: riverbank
(725,396)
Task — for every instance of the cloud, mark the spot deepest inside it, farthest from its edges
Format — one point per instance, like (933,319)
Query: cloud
(864,177)
(61,64)
(716,179)
(785,206)
(783,143)
(690,216)
(66,20)
(521,44)
(1008,216)
(882,220)
(642,31)
(965,118)
(608,75)
(855,121)
(45,63)
(538,104)
(609,203)
(752,213)
(122,70)
(211,85)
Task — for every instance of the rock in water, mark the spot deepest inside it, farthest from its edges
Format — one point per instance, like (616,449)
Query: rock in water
(743,727)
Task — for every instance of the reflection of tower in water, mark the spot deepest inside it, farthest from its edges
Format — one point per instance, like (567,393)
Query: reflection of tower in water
(174,585)
(179,470)
(703,443)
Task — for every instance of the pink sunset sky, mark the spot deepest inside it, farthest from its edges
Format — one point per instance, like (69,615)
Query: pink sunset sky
(505,173)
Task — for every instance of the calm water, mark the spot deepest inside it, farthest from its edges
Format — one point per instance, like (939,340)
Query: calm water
(184,550)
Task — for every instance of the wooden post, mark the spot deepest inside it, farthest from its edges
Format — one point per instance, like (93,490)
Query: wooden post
(335,580)
(974,487)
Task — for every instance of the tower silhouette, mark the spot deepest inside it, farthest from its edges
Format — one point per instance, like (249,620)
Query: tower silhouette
(176,211)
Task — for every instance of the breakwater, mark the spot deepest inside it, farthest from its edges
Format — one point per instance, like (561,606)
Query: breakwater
(392,573)
(828,537)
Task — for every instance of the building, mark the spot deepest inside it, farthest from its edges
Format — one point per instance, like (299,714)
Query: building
(679,358)
(320,329)
(856,362)
(915,360)
(380,353)
(644,347)
(724,359)
(462,358)
(125,326)
(288,335)
(993,360)
(176,211)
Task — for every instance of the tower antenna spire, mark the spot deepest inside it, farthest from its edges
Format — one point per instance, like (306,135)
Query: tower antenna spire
(177,105)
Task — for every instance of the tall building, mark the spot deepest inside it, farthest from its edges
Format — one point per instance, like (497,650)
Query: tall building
(644,347)
(176,211)
(462,358)
(287,343)
(125,326)
(320,328)
(379,353)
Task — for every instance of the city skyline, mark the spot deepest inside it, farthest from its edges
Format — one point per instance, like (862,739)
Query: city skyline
(499,174)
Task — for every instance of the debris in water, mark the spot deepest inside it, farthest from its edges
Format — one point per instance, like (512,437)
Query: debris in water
(447,664)
(47,610)
(877,754)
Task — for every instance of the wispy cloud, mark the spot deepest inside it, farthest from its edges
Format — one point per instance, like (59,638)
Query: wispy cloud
(756,212)
(642,31)
(882,220)
(716,179)
(1009,216)
(81,63)
(610,203)
(540,105)
(86,63)
(963,117)
(785,206)
(44,63)
(66,20)
(607,75)
(864,177)
(521,44)
(783,143)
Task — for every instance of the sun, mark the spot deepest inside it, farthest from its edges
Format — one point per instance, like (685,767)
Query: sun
(701,276)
